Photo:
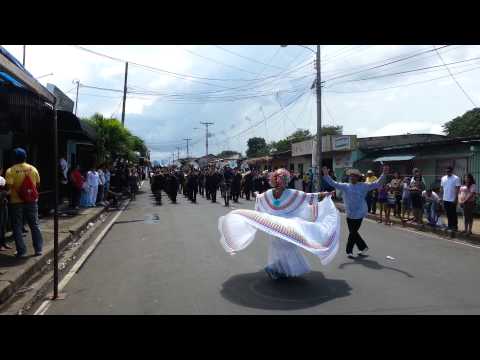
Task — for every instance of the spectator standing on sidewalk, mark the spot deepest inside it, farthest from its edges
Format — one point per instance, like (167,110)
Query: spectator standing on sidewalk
(396,186)
(406,199)
(77,181)
(382,201)
(63,178)
(450,186)
(417,186)
(23,181)
(3,214)
(93,180)
(431,202)
(389,204)
(354,195)
(106,186)
(101,185)
(466,199)
(372,196)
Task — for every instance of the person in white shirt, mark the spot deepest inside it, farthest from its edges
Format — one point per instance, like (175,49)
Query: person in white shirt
(431,200)
(450,185)
(92,180)
(101,185)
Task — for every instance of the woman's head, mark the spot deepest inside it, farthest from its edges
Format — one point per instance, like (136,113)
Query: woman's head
(280,178)
(468,179)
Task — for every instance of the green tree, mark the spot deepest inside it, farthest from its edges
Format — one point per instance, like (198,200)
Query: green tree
(286,144)
(257,146)
(466,125)
(113,140)
(332,130)
(228,153)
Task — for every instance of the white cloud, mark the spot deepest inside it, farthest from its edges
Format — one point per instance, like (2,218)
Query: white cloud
(165,123)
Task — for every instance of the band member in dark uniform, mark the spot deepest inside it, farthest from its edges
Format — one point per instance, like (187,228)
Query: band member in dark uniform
(172,186)
(236,183)
(248,184)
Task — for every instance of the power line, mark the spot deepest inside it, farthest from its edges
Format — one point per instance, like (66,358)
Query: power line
(402,85)
(248,58)
(409,71)
(453,77)
(184,76)
(382,65)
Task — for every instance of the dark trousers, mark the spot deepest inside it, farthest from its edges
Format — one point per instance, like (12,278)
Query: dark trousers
(247,194)
(100,194)
(192,193)
(354,237)
(398,205)
(3,223)
(75,197)
(213,194)
(371,202)
(451,210)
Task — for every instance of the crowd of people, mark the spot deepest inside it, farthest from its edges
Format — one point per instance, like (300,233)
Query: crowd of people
(233,183)
(405,197)
(412,201)
(83,187)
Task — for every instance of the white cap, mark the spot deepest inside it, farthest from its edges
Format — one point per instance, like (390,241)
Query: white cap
(2,181)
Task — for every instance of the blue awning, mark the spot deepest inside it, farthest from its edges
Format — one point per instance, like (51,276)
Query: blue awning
(394,158)
(7,78)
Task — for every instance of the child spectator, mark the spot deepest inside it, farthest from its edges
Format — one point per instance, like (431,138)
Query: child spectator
(391,203)
(431,201)
(382,201)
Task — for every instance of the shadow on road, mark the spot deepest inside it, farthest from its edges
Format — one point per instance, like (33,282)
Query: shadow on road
(372,264)
(257,290)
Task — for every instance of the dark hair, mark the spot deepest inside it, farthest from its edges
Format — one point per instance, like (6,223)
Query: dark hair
(470,177)
(449,168)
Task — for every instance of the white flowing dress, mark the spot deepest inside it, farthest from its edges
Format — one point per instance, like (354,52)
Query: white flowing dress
(295,220)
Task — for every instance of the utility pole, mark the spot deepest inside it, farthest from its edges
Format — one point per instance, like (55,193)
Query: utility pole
(188,153)
(24,48)
(124,94)
(178,153)
(76,99)
(206,134)
(318,88)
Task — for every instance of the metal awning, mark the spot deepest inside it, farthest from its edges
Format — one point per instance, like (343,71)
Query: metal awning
(10,67)
(394,158)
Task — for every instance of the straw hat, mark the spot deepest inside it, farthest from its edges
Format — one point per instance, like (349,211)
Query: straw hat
(354,172)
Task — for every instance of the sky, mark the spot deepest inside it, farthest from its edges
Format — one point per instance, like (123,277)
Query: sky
(261,90)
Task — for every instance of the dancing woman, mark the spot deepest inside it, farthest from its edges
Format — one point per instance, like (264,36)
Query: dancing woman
(293,219)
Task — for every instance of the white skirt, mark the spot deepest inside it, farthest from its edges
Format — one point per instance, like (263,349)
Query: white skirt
(286,258)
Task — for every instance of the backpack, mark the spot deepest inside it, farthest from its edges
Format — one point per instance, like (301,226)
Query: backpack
(28,192)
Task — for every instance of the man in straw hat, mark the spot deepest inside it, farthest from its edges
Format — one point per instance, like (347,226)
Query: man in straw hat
(354,194)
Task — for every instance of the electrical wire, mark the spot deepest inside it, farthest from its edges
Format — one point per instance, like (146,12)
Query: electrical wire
(248,58)
(408,71)
(401,85)
(453,77)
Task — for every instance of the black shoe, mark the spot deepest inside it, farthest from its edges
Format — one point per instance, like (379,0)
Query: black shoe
(21,256)
(38,253)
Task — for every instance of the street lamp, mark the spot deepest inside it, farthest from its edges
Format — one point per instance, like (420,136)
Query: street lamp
(44,76)
(318,88)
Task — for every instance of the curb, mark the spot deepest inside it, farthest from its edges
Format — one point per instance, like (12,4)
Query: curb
(16,284)
(475,239)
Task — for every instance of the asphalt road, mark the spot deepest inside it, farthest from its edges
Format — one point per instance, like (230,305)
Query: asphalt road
(168,260)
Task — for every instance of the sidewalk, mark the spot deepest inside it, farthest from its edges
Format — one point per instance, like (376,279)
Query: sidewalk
(475,238)
(14,273)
